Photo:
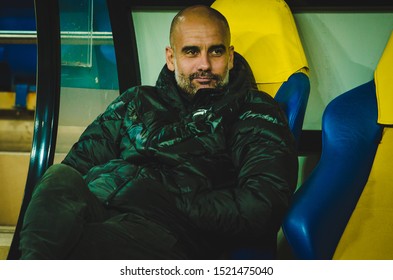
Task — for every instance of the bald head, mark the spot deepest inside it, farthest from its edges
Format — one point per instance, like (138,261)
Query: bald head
(200,14)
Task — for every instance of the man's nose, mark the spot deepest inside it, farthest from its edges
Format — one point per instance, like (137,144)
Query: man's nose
(204,62)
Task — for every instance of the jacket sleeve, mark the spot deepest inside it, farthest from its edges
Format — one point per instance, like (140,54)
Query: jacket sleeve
(264,155)
(99,143)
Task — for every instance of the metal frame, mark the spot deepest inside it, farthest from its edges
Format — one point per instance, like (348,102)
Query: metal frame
(47,104)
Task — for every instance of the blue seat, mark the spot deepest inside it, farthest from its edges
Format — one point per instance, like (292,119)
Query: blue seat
(325,202)
(293,97)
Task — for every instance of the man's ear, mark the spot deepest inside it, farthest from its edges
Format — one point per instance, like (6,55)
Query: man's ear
(231,57)
(169,58)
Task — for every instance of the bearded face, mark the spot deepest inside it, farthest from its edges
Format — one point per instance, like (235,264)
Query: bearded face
(191,83)
(200,53)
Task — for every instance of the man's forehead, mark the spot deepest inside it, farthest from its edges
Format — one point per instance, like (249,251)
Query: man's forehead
(212,32)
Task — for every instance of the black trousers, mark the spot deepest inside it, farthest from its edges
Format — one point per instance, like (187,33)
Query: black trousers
(64,220)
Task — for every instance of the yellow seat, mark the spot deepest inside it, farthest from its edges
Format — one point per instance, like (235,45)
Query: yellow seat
(265,34)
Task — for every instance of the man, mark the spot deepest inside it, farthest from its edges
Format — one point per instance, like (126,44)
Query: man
(195,167)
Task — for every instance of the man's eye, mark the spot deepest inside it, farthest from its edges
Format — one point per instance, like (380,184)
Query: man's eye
(191,52)
(217,52)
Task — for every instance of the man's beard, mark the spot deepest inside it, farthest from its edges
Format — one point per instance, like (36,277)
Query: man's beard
(185,82)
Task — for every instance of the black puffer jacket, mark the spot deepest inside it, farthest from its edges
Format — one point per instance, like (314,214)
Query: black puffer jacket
(221,166)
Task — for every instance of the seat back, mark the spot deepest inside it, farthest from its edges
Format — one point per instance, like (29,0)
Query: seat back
(265,34)
(324,203)
(371,217)
(351,133)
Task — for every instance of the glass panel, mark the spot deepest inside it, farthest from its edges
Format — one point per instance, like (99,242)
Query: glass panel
(76,25)
(88,72)
(18,62)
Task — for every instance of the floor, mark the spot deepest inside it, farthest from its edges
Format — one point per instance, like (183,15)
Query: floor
(6,234)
